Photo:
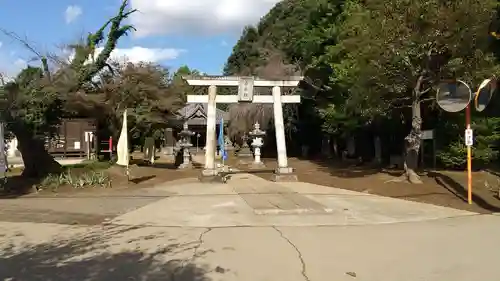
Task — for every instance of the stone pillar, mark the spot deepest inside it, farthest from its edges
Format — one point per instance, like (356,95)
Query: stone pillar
(169,142)
(149,150)
(228,144)
(283,172)
(210,146)
(245,154)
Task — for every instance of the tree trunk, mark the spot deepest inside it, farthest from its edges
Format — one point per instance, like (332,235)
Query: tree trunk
(413,140)
(37,161)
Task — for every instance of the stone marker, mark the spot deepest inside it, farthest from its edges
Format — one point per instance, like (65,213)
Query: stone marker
(228,144)
(245,153)
(168,149)
(149,150)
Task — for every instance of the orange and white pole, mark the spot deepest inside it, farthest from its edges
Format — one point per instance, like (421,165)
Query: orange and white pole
(468,143)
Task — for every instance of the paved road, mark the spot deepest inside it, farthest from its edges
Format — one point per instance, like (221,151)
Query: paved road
(215,232)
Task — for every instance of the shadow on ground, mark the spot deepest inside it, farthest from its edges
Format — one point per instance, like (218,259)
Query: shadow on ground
(481,198)
(351,169)
(437,188)
(16,186)
(87,258)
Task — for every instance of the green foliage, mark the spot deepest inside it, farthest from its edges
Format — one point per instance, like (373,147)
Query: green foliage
(86,72)
(76,180)
(362,61)
(455,156)
(484,151)
(26,101)
(148,94)
(33,104)
(337,123)
(415,39)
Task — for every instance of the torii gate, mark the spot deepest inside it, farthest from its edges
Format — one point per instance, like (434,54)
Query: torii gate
(245,94)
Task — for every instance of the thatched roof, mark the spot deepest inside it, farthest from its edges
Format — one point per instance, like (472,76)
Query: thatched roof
(196,114)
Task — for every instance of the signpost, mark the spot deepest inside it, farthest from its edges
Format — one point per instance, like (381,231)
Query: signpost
(428,135)
(468,137)
(455,96)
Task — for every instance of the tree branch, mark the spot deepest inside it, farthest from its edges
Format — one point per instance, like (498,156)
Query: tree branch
(116,32)
(429,99)
(425,91)
(24,42)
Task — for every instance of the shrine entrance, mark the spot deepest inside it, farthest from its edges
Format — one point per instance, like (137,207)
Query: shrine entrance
(196,116)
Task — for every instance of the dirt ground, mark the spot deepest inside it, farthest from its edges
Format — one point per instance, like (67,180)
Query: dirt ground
(141,175)
(442,188)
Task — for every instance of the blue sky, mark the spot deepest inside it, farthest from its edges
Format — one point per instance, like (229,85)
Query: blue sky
(197,33)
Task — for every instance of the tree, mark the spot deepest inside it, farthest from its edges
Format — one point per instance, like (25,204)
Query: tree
(288,41)
(33,103)
(181,87)
(243,116)
(145,90)
(391,53)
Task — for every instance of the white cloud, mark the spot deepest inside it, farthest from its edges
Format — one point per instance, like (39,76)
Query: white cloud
(157,17)
(1,44)
(141,54)
(135,54)
(72,13)
(9,68)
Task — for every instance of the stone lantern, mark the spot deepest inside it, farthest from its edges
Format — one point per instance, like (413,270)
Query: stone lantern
(185,144)
(257,136)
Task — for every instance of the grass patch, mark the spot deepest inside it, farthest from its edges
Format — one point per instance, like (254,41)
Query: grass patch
(78,176)
(76,180)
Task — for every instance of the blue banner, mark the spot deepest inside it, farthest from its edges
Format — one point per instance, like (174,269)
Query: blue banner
(221,140)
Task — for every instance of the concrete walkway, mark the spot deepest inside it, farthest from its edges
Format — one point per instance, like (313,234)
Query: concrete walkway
(248,200)
(254,230)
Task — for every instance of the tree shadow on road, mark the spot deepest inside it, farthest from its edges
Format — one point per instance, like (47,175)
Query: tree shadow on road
(95,258)
(483,199)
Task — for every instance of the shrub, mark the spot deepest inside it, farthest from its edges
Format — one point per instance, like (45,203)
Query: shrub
(83,180)
(484,150)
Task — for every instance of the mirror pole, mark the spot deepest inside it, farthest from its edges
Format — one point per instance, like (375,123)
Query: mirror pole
(469,157)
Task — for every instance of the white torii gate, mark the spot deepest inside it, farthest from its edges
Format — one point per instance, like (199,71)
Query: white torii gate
(245,94)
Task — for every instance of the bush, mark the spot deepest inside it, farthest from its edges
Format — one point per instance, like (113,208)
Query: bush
(82,180)
(484,150)
(454,156)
